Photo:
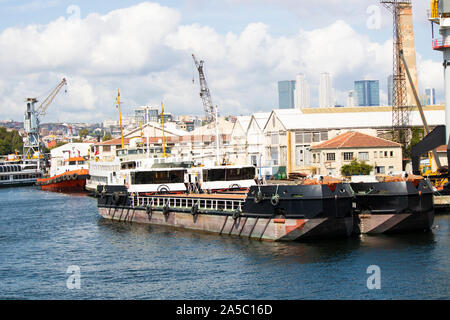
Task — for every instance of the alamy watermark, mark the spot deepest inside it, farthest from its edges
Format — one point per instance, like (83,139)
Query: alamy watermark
(74,280)
(374,280)
(374,19)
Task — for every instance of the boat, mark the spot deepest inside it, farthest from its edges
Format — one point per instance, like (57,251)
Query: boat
(19,173)
(264,212)
(394,205)
(69,177)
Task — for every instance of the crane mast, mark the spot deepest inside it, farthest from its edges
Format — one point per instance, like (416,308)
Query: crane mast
(204,92)
(33,114)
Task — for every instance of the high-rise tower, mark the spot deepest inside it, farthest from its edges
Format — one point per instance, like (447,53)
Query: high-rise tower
(301,92)
(326,91)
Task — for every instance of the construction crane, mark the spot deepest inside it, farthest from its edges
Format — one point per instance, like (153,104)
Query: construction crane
(33,114)
(400,109)
(204,92)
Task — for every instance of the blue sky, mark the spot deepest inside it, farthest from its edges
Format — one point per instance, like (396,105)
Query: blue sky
(248,46)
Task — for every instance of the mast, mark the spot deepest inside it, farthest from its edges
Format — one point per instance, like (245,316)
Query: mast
(164,138)
(120,118)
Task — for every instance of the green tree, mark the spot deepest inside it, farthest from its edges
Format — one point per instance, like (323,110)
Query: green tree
(107,137)
(417,135)
(356,168)
(10,142)
(83,133)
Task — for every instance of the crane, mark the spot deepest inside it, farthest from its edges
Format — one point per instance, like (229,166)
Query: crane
(204,92)
(31,146)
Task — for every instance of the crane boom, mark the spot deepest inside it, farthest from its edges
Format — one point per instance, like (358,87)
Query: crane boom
(204,92)
(44,105)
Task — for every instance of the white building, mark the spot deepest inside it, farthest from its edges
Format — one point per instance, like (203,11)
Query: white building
(352,99)
(301,92)
(326,99)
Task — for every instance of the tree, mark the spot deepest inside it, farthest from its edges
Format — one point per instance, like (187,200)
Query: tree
(107,137)
(83,133)
(10,142)
(416,136)
(356,168)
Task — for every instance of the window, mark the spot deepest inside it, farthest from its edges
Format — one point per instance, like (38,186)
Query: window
(157,177)
(299,137)
(324,135)
(316,137)
(379,170)
(331,156)
(391,168)
(348,156)
(307,137)
(302,155)
(274,138)
(363,156)
(392,154)
(106,148)
(385,154)
(381,154)
(375,154)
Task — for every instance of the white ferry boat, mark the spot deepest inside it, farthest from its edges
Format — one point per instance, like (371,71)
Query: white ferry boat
(19,173)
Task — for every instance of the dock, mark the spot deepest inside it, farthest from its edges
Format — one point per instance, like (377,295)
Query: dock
(442,204)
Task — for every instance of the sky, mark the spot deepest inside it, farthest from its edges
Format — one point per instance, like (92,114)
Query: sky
(144,49)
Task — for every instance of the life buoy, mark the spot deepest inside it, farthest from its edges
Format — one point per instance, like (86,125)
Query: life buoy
(74,176)
(258,197)
(235,186)
(275,200)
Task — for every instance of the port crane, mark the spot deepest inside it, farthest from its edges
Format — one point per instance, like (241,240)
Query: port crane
(204,92)
(33,115)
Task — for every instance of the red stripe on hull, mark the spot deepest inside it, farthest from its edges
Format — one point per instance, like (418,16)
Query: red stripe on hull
(66,186)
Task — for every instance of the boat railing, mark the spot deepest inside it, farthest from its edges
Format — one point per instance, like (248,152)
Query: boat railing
(187,203)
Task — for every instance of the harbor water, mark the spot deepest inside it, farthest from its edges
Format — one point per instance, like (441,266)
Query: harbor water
(45,236)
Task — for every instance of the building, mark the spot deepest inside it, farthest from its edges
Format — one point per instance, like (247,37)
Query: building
(286,94)
(431,96)
(390,85)
(352,99)
(385,156)
(326,99)
(301,92)
(368,92)
(146,114)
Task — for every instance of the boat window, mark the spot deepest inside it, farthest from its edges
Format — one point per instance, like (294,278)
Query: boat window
(72,163)
(229,174)
(81,162)
(158,177)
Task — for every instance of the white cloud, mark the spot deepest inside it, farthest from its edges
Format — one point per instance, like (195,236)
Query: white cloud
(146,52)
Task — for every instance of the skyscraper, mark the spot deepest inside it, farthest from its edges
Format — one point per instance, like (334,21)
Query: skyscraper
(431,96)
(368,92)
(352,99)
(286,94)
(325,91)
(301,92)
(390,85)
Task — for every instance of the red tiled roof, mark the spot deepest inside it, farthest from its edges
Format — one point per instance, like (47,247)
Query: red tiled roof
(442,148)
(113,142)
(354,139)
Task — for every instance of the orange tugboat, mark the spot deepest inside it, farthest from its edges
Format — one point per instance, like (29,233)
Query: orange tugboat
(70,177)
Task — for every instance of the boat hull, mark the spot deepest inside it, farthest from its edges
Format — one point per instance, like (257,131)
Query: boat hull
(393,207)
(303,219)
(71,182)
(271,229)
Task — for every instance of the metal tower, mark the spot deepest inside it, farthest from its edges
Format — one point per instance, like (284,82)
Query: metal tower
(204,92)
(31,145)
(400,108)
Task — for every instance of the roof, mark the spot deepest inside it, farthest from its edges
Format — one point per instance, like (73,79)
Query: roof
(367,117)
(354,139)
(261,118)
(112,142)
(244,121)
(442,148)
(167,129)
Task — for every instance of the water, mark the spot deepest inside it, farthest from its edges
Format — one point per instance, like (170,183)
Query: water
(42,234)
